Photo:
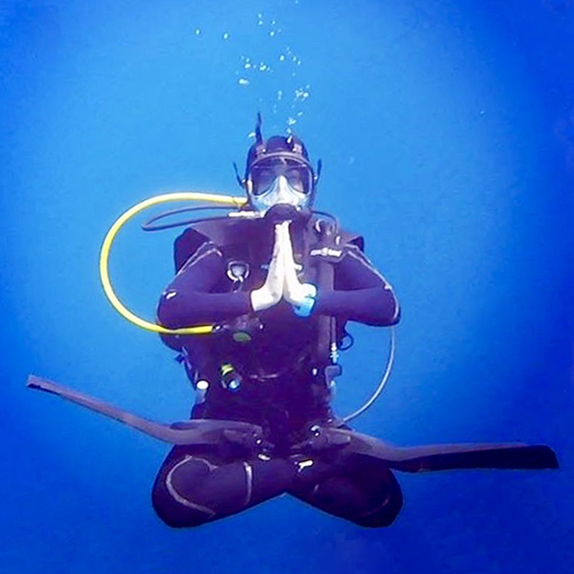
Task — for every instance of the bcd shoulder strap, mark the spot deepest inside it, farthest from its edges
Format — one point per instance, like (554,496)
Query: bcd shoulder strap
(224,232)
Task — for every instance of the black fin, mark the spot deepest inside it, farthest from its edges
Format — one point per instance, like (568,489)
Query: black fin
(193,432)
(526,457)
(441,456)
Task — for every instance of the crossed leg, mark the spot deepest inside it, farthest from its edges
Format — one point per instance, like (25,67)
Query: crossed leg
(198,485)
(358,488)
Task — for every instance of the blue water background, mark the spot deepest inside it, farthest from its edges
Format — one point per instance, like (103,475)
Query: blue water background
(446,129)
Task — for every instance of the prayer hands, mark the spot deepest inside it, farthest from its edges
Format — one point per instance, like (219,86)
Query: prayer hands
(282,281)
(272,290)
(294,291)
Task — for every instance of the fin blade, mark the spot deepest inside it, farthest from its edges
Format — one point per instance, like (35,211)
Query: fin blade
(519,457)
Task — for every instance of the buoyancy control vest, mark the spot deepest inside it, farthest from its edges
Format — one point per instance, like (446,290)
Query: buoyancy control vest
(320,245)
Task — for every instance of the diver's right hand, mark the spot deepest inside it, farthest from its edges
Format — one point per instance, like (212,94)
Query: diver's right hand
(272,290)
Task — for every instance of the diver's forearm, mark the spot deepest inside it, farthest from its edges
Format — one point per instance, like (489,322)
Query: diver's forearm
(375,306)
(192,308)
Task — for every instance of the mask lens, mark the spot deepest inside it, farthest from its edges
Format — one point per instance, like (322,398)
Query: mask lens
(262,178)
(299,176)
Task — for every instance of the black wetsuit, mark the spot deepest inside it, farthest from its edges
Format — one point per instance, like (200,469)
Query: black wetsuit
(265,426)
(282,384)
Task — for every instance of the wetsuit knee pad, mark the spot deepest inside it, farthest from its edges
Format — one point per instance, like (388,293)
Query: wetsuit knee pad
(172,497)
(173,515)
(384,513)
(363,490)
(346,499)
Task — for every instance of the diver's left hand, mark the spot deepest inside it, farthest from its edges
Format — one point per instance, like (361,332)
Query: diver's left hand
(271,292)
(294,291)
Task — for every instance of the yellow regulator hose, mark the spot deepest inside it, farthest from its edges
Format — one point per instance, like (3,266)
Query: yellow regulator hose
(231,201)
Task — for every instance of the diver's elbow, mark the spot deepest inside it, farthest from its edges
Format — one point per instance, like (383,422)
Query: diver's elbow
(168,313)
(396,317)
(381,317)
(386,319)
(389,310)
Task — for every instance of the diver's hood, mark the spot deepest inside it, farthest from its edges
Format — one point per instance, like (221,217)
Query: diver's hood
(288,149)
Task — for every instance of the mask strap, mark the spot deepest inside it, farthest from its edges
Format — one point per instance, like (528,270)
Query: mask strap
(318,173)
(258,122)
(239,179)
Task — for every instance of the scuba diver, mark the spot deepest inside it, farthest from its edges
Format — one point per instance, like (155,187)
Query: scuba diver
(284,287)
(279,281)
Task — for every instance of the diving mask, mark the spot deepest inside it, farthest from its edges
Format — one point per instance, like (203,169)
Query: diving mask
(280,180)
